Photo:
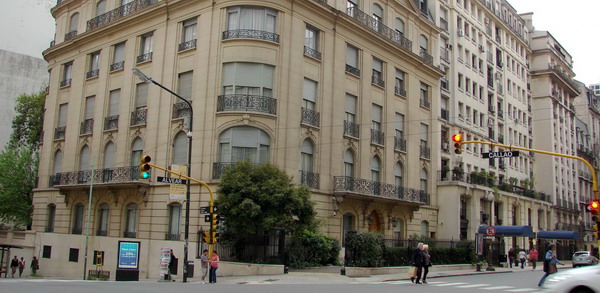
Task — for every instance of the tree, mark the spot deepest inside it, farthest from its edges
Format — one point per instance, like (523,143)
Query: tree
(28,122)
(255,199)
(18,171)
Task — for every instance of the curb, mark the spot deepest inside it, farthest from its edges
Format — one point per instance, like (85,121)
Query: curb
(451,275)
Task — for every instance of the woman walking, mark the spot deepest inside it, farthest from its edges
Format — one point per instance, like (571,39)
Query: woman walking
(214,265)
(551,260)
(426,262)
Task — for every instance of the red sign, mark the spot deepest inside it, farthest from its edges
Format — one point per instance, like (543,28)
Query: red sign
(490,231)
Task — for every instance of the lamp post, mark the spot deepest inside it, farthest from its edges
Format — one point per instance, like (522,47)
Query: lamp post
(147,79)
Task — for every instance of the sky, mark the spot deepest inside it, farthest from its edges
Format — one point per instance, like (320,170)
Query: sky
(28,28)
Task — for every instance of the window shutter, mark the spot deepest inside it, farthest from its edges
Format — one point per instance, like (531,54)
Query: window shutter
(89,107)
(399,122)
(119,53)
(84,158)
(180,148)
(109,152)
(58,156)
(424,132)
(113,106)
(185,85)
(376,113)
(377,65)
(141,95)
(310,90)
(352,56)
(62,115)
(351,104)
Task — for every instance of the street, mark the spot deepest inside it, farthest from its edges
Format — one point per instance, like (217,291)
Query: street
(517,281)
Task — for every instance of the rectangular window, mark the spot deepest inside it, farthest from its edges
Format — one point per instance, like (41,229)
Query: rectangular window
(175,220)
(62,115)
(251,18)
(89,108)
(185,85)
(113,102)
(376,117)
(399,125)
(311,38)
(425,95)
(119,53)
(351,108)
(352,56)
(94,61)
(74,255)
(146,44)
(47,251)
(424,134)
(141,95)
(242,78)
(189,30)
(400,87)
(68,71)
(377,70)
(309,96)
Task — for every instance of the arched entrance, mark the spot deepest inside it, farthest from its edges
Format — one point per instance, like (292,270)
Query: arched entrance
(374,222)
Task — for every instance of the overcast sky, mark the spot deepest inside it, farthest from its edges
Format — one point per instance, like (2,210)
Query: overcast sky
(28,28)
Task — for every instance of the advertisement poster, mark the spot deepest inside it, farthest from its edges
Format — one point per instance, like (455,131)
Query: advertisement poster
(165,258)
(129,254)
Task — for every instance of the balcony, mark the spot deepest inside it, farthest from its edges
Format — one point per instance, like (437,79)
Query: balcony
(490,57)
(376,26)
(445,114)
(362,187)
(351,129)
(59,132)
(424,103)
(309,179)
(377,137)
(147,57)
(111,122)
(92,73)
(108,175)
(65,83)
(312,53)
(117,66)
(500,114)
(352,70)
(246,103)
(377,81)
(251,34)
(400,91)
(191,44)
(180,110)
(444,84)
(128,234)
(399,144)
(444,54)
(426,57)
(310,117)
(424,152)
(70,35)
(86,127)
(220,167)
(118,13)
(138,117)
(444,24)
(175,236)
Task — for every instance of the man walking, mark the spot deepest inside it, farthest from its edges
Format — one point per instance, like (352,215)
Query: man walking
(533,256)
(205,262)
(14,264)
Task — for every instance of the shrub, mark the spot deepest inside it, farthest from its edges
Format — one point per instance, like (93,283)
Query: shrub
(312,249)
(364,249)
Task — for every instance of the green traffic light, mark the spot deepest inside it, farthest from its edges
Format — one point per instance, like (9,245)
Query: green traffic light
(145,175)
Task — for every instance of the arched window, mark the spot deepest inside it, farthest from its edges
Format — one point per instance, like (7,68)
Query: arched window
(423,43)
(137,147)
(398,174)
(109,156)
(376,174)
(399,26)
(84,158)
(348,225)
(307,151)
(180,149)
(51,216)
(73,22)
(348,163)
(131,221)
(398,228)
(174,221)
(241,143)
(425,228)
(100,7)
(102,220)
(78,219)
(58,157)
(424,180)
(378,16)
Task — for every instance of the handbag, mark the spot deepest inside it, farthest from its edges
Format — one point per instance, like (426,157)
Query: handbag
(412,272)
(552,269)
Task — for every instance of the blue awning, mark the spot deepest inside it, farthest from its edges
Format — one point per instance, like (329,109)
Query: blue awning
(558,235)
(521,231)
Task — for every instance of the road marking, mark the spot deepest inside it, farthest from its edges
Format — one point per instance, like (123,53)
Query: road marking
(497,288)
(473,286)
(522,290)
(449,284)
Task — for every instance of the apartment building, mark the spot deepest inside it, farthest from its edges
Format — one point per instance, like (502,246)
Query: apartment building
(343,95)
(485,97)
(595,88)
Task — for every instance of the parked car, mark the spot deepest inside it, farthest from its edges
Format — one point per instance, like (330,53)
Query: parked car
(580,280)
(584,258)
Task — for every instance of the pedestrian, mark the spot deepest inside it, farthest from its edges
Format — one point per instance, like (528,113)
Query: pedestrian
(34,265)
(426,262)
(417,261)
(21,266)
(14,264)
(522,258)
(204,263)
(214,265)
(533,256)
(172,266)
(511,257)
(550,262)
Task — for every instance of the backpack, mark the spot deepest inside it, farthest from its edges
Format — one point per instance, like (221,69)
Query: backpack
(546,265)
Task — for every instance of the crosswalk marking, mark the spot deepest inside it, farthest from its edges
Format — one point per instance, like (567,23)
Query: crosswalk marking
(473,285)
(449,284)
(498,288)
(522,290)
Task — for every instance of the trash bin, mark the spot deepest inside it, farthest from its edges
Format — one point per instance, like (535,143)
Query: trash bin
(190,269)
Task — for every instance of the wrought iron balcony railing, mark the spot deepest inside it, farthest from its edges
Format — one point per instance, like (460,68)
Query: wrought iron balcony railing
(92,73)
(138,117)
(101,232)
(377,137)
(312,53)
(117,66)
(426,57)
(444,54)
(191,44)
(127,234)
(351,129)
(111,122)
(374,188)
(59,132)
(399,144)
(310,117)
(444,24)
(352,70)
(377,81)
(425,152)
(108,175)
(247,103)
(147,57)
(175,236)
(65,82)
(400,91)
(118,13)
(376,26)
(87,126)
(220,167)
(310,179)
(180,110)
(70,35)
(251,34)
(425,103)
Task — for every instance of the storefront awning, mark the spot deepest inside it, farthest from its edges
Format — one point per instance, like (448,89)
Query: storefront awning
(521,231)
(572,235)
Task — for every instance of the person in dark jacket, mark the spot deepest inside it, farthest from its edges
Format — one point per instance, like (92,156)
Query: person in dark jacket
(426,262)
(418,260)
(172,266)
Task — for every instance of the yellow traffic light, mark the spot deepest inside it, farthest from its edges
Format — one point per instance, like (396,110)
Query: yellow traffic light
(214,221)
(144,167)
(206,237)
(457,139)
(595,230)
(215,237)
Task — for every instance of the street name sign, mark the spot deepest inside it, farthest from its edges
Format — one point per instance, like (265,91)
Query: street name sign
(506,154)
(171,180)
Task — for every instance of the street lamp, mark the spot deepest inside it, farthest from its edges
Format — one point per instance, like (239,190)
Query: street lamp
(147,79)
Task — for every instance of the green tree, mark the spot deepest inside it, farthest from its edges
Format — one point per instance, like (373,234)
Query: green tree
(255,199)
(18,170)
(28,122)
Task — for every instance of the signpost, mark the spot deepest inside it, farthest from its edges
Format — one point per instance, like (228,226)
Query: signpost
(505,154)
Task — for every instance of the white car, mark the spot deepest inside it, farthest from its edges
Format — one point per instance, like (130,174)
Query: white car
(580,280)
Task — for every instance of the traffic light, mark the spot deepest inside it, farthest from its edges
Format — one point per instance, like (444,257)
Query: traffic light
(215,237)
(595,230)
(594,208)
(214,221)
(457,138)
(144,167)
(206,237)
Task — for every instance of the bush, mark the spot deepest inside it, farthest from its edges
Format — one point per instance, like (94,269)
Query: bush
(312,249)
(364,249)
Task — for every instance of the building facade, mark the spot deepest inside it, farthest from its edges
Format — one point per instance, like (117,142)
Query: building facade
(264,78)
